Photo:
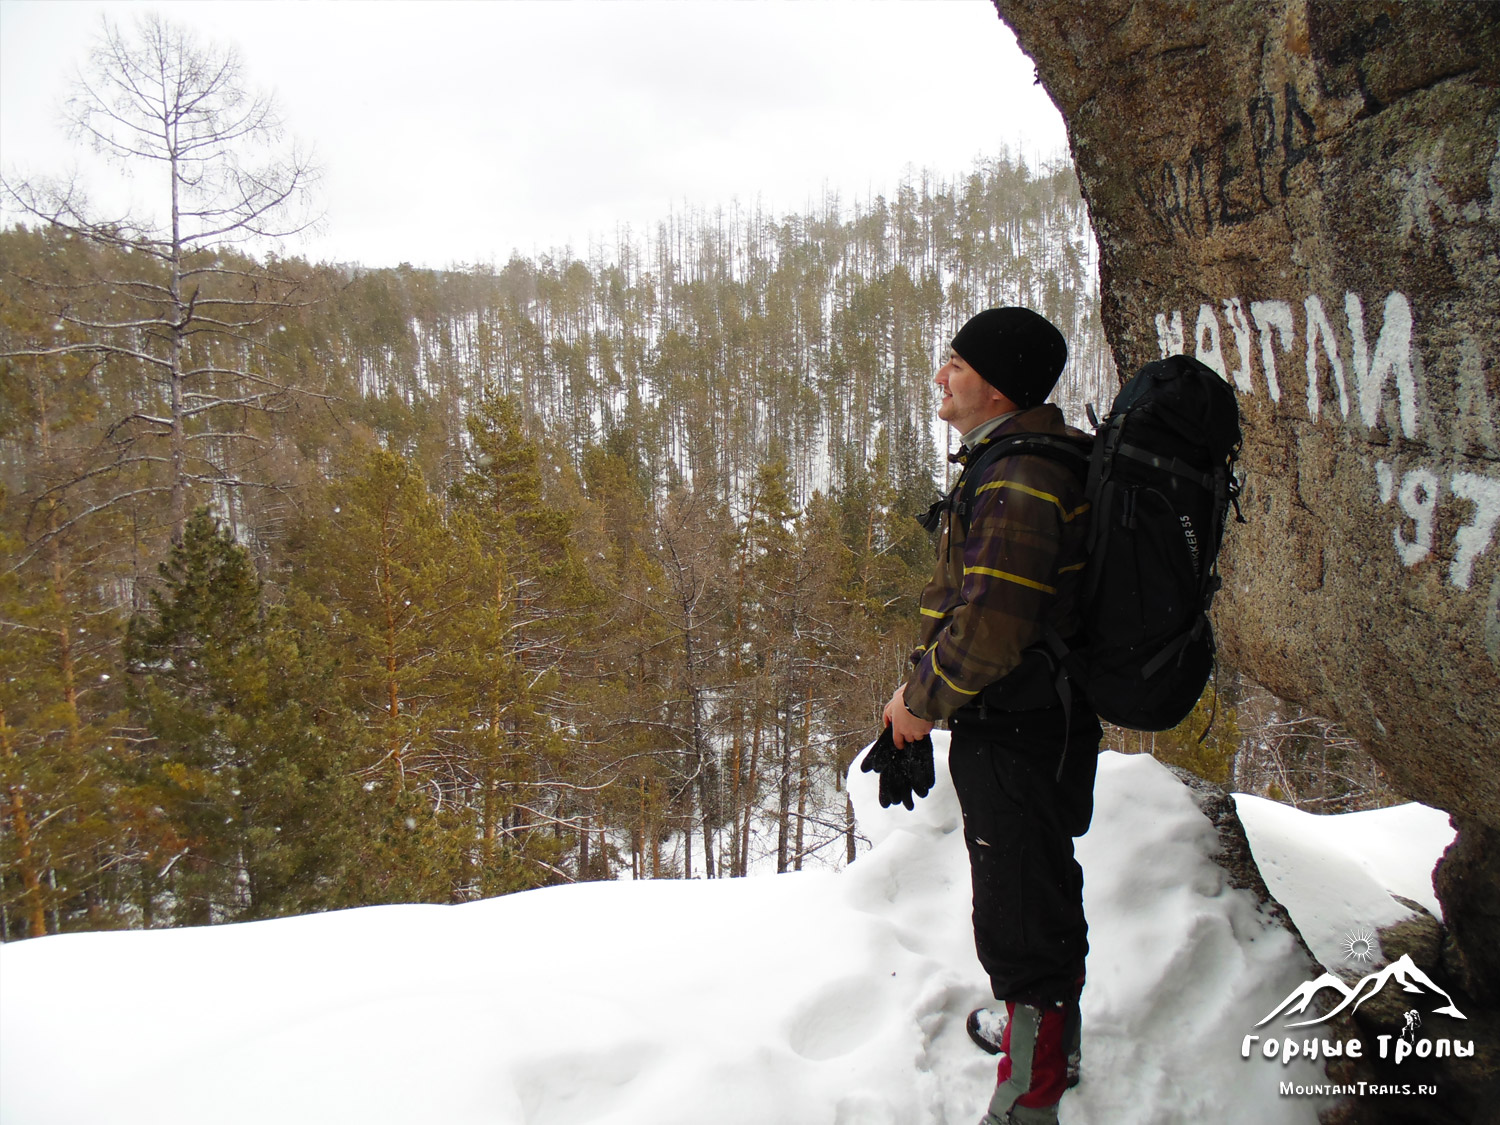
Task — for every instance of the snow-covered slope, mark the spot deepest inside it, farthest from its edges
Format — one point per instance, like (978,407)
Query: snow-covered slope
(826,999)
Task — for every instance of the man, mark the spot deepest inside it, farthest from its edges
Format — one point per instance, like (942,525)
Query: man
(1004,577)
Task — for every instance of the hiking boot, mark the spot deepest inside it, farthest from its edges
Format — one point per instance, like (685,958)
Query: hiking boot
(986,1026)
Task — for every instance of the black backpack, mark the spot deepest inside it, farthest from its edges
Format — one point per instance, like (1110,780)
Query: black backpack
(1159,478)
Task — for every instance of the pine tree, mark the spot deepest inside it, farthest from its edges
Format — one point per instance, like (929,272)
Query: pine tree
(247,782)
(541,597)
(38,769)
(623,688)
(395,582)
(58,703)
(690,542)
(777,625)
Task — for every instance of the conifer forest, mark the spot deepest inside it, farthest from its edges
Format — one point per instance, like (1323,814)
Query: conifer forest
(329,586)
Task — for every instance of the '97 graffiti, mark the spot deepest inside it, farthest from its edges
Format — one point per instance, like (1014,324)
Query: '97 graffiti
(1418,496)
(1366,375)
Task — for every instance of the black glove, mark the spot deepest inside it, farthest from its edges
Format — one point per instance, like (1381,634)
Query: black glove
(903,770)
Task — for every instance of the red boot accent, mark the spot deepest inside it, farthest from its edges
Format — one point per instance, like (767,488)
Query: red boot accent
(1049,1063)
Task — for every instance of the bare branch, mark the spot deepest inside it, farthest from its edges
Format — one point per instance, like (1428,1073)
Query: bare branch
(84,349)
(36,547)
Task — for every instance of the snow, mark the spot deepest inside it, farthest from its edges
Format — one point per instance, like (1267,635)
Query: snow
(1337,874)
(820,997)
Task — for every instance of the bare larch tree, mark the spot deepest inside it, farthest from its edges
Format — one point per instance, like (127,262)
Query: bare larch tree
(187,318)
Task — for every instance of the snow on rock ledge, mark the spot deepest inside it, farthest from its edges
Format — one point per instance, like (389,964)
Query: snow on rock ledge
(1338,875)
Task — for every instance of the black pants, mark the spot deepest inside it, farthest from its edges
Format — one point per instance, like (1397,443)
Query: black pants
(1019,824)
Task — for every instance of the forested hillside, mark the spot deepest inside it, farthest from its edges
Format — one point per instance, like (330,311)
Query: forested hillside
(339,586)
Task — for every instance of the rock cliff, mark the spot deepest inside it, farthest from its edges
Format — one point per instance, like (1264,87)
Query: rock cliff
(1307,197)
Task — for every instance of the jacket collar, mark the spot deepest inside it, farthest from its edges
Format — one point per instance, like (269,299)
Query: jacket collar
(985,428)
(1043,419)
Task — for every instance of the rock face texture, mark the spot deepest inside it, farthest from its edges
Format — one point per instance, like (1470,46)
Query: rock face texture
(1306,196)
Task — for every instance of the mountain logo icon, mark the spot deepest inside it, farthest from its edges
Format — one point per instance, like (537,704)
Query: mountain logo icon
(1413,981)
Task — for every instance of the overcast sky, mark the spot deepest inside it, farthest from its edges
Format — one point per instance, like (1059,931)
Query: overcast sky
(457,132)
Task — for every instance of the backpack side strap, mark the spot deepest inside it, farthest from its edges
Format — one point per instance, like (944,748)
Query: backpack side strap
(1070,666)
(1175,647)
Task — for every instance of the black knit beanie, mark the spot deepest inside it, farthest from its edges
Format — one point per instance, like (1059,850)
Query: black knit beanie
(1016,351)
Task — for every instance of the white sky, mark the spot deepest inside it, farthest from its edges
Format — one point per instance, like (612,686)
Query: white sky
(453,132)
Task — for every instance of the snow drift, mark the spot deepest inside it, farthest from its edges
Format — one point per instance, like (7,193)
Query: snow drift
(818,998)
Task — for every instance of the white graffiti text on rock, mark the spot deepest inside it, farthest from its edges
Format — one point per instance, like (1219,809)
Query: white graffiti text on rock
(1369,384)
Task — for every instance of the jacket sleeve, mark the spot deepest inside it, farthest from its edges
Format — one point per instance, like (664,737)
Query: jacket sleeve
(1010,580)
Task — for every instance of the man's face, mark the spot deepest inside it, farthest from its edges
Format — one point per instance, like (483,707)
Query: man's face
(967,399)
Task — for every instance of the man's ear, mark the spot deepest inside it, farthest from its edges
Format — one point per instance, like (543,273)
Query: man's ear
(999,398)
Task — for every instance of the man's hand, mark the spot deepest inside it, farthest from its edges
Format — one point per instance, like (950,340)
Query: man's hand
(905,727)
(905,773)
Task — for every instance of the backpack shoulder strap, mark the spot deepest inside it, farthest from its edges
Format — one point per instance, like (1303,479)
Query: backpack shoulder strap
(1073,452)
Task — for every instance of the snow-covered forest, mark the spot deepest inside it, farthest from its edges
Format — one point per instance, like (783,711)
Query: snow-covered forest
(422,585)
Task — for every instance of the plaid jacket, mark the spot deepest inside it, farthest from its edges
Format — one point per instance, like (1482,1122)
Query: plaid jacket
(997,588)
